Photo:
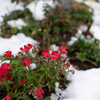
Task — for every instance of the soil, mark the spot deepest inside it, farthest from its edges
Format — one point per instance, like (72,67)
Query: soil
(2,94)
(88,64)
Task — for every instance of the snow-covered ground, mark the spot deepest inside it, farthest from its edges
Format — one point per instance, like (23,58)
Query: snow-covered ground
(84,85)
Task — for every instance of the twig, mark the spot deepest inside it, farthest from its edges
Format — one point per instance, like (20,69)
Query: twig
(88,60)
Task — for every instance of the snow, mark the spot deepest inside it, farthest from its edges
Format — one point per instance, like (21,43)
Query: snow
(14,43)
(84,85)
(6,7)
(17,23)
(37,8)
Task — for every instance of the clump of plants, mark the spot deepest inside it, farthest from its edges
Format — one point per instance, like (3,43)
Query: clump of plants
(26,16)
(33,29)
(83,15)
(20,81)
(62,23)
(86,48)
(58,19)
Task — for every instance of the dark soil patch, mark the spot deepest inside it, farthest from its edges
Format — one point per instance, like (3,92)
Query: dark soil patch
(2,94)
(60,39)
(88,64)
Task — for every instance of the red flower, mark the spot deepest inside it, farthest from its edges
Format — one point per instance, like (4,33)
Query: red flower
(8,76)
(26,62)
(8,98)
(64,52)
(26,48)
(39,92)
(11,93)
(64,11)
(68,65)
(1,79)
(22,82)
(4,71)
(62,48)
(29,46)
(55,55)
(7,54)
(61,20)
(67,20)
(40,82)
(45,53)
(50,14)
(58,7)
(9,67)
(60,72)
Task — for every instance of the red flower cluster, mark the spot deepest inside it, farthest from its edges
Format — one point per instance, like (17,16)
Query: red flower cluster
(7,54)
(45,53)
(61,20)
(8,98)
(4,71)
(60,72)
(22,82)
(68,65)
(54,54)
(62,48)
(39,93)
(26,48)
(26,62)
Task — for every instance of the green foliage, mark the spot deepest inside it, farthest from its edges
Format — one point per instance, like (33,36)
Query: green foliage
(18,14)
(56,29)
(85,48)
(44,75)
(84,15)
(56,19)
(17,1)
(14,30)
(32,30)
(26,15)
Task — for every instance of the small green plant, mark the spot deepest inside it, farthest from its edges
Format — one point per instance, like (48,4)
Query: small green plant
(26,15)
(33,30)
(19,81)
(83,15)
(85,48)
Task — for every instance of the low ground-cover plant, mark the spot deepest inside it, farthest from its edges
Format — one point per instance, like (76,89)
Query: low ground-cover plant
(26,15)
(33,29)
(65,20)
(86,48)
(83,15)
(60,22)
(20,81)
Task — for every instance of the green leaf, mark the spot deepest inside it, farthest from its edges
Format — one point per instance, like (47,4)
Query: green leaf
(56,29)
(28,75)
(47,98)
(14,30)
(25,97)
(15,94)
(19,78)
(7,86)
(80,56)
